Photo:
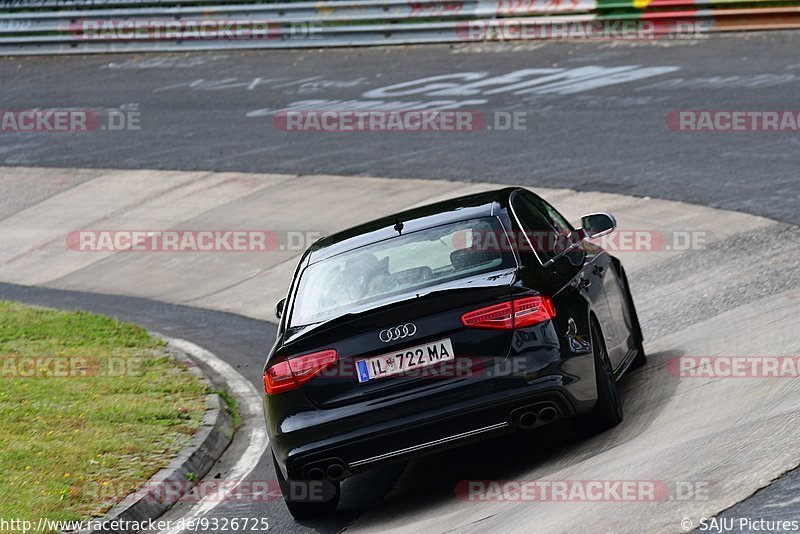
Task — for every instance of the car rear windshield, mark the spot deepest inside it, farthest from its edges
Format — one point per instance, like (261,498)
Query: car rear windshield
(371,275)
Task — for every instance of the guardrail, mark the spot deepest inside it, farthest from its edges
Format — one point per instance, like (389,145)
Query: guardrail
(98,26)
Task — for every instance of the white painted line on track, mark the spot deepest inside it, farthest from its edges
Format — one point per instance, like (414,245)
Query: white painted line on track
(255,434)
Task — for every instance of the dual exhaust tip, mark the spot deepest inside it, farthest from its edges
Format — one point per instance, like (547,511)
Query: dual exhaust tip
(536,415)
(333,471)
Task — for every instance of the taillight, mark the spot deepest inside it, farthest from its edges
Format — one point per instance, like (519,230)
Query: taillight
(305,367)
(290,374)
(498,316)
(517,313)
(278,379)
(533,310)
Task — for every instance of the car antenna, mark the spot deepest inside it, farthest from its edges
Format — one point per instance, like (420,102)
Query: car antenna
(398,226)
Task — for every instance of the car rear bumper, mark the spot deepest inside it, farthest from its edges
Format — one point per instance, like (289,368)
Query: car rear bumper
(339,442)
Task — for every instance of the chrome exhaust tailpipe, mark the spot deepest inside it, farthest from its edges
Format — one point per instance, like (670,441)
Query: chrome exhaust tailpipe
(527,420)
(535,415)
(547,414)
(335,471)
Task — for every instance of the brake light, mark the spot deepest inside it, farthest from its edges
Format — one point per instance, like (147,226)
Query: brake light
(294,372)
(533,310)
(517,313)
(305,367)
(498,316)
(278,379)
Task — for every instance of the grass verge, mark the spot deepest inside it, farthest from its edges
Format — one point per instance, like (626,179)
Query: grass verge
(90,408)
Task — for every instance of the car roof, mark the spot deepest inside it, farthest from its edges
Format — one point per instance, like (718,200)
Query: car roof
(482,204)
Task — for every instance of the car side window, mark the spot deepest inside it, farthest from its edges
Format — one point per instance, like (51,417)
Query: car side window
(539,232)
(557,220)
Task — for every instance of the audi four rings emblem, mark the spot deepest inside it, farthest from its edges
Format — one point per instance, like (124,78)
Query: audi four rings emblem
(398,332)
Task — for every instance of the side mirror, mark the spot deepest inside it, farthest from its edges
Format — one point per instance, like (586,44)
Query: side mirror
(279,308)
(598,224)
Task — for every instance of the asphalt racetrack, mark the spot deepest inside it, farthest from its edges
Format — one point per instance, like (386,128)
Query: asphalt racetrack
(601,129)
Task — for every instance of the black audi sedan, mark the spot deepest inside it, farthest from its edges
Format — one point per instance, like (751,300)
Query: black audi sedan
(442,325)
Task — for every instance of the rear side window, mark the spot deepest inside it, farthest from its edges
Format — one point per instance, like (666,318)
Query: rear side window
(545,228)
(373,274)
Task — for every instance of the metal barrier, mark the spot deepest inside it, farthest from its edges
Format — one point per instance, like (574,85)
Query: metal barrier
(89,26)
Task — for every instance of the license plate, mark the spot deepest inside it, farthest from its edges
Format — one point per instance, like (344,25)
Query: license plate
(406,360)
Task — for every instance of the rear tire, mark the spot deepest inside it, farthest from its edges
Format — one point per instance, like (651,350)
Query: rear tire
(607,413)
(307,499)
